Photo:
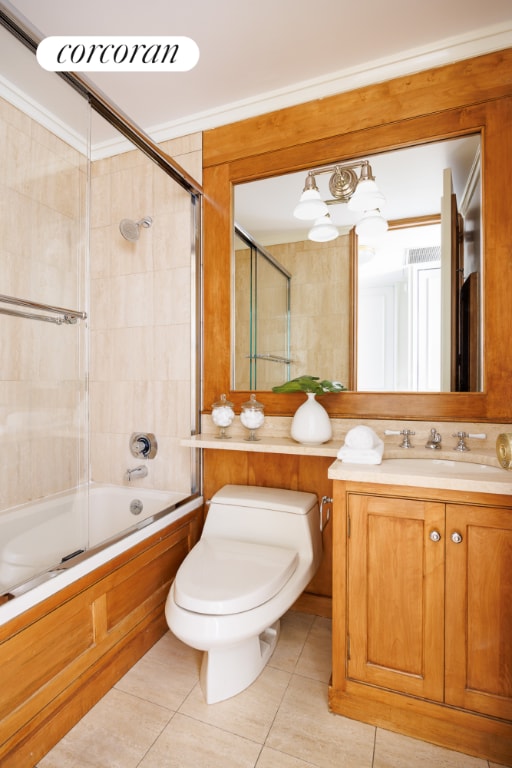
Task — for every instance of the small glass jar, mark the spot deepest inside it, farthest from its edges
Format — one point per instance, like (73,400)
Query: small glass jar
(252,416)
(222,416)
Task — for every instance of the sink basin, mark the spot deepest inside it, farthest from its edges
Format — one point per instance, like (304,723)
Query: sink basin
(444,467)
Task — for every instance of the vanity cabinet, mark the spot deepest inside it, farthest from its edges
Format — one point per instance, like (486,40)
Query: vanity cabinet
(422,614)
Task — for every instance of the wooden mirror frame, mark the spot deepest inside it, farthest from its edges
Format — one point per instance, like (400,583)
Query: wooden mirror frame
(473,96)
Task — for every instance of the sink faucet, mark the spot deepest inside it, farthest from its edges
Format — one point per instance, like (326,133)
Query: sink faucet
(434,440)
(140,471)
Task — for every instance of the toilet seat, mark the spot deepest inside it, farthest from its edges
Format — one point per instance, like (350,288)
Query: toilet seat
(224,576)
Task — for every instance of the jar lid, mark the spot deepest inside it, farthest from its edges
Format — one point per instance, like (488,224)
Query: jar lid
(223,403)
(253,403)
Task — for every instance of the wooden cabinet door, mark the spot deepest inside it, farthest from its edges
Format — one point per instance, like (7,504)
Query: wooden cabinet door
(395,594)
(479,609)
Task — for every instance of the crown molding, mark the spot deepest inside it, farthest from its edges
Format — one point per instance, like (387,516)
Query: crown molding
(447,51)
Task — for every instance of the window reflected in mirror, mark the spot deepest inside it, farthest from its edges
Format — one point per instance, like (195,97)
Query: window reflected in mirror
(398,312)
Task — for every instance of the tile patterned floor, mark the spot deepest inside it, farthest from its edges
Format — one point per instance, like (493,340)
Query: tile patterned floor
(155,717)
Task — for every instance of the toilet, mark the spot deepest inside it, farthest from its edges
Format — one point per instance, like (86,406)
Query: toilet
(259,549)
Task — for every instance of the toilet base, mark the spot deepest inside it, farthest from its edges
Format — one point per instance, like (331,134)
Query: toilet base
(228,671)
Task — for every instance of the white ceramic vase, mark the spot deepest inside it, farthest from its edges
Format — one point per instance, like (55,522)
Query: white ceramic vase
(311,424)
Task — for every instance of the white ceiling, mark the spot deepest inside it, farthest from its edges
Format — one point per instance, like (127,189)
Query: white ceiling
(258,56)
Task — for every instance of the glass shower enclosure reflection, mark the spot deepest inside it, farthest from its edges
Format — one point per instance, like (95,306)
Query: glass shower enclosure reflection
(261,316)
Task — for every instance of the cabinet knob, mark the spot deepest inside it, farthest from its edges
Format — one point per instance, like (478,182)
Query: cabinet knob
(435,536)
(456,537)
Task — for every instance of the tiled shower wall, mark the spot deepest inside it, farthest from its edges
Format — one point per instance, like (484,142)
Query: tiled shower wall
(140,377)
(42,251)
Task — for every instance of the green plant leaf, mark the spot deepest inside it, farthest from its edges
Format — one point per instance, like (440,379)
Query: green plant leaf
(310,384)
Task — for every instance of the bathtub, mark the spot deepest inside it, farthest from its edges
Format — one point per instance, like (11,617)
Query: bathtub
(48,544)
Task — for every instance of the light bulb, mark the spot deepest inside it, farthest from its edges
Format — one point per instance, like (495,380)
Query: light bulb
(372,225)
(310,205)
(323,230)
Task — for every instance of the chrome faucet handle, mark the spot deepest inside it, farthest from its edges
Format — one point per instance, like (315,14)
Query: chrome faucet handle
(461,445)
(406,443)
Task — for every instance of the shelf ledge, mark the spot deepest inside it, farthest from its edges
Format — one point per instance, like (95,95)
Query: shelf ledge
(264,445)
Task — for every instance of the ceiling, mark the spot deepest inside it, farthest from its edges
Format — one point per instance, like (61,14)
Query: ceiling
(257,57)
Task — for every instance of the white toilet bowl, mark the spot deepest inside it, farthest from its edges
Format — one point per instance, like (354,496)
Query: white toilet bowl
(259,549)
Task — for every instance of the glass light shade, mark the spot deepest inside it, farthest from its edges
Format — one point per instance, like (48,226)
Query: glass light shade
(367,197)
(310,205)
(323,230)
(372,225)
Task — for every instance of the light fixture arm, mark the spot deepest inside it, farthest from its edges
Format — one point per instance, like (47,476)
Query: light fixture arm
(343,181)
(366,169)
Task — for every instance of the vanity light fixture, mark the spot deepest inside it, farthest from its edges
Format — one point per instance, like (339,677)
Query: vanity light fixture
(359,192)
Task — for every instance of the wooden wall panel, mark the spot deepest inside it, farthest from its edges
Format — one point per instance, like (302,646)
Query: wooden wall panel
(32,658)
(137,592)
(447,87)
(56,666)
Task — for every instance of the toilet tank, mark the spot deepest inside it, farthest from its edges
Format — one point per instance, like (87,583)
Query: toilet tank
(266,515)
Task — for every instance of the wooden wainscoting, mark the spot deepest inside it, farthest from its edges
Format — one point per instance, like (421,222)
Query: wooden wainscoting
(60,657)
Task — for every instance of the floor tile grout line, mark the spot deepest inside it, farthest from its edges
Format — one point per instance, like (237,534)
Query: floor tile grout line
(156,739)
(374,746)
(145,699)
(292,675)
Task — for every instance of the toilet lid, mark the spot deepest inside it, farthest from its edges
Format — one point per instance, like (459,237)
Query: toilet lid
(221,576)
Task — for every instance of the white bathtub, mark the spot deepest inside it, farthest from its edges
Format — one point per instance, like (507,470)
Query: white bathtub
(41,543)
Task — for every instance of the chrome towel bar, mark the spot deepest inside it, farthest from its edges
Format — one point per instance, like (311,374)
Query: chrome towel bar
(63,316)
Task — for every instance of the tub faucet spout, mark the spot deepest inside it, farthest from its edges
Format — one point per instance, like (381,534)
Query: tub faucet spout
(140,471)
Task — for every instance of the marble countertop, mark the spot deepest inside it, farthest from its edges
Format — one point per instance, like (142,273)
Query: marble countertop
(446,472)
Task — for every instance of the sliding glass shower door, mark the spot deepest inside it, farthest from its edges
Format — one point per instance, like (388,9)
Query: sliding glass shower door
(262,317)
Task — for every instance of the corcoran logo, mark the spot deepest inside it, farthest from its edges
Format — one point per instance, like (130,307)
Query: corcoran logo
(117,54)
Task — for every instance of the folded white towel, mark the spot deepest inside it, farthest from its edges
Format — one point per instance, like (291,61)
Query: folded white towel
(361,437)
(362,446)
(361,456)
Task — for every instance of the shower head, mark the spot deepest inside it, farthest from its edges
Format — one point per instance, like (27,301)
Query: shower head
(130,230)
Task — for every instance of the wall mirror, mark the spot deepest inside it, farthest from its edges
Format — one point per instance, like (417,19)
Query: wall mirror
(401,312)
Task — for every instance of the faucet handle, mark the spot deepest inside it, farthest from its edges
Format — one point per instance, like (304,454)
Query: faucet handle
(406,443)
(405,432)
(461,445)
